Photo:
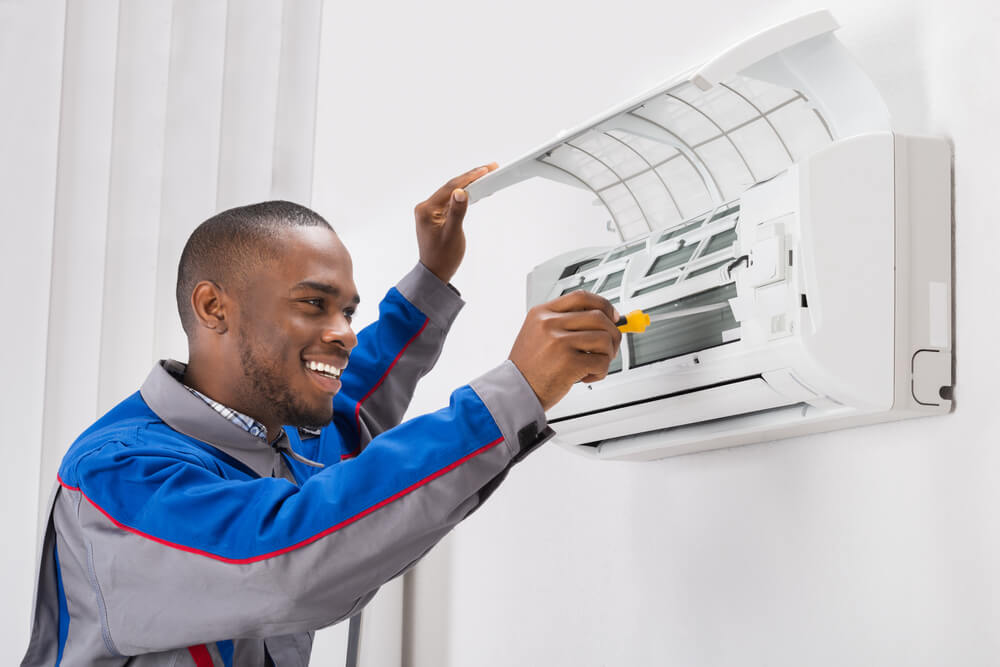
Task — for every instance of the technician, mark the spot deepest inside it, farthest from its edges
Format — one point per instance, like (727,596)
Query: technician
(265,489)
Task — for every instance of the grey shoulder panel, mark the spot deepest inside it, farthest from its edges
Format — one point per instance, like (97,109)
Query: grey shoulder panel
(45,609)
(385,406)
(437,300)
(514,406)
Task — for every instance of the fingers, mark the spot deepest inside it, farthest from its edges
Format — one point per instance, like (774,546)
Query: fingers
(567,315)
(584,320)
(587,327)
(567,340)
(441,197)
(596,343)
(602,363)
(439,224)
(457,208)
(593,366)
(581,300)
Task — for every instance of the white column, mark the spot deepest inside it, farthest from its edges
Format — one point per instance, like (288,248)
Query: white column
(137,149)
(249,102)
(382,628)
(31,31)
(295,124)
(191,151)
(81,216)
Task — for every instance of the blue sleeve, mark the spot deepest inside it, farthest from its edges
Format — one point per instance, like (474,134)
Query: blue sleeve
(392,355)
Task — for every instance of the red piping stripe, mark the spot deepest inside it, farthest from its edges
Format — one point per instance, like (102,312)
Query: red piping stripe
(308,540)
(357,408)
(202,658)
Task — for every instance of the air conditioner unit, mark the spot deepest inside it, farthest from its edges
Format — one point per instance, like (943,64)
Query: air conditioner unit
(804,248)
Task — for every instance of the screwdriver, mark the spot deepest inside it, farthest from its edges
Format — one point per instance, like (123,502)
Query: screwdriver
(637,321)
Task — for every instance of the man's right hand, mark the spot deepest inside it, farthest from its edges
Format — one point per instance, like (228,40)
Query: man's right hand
(567,340)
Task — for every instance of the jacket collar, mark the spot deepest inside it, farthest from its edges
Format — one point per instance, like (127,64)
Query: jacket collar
(186,413)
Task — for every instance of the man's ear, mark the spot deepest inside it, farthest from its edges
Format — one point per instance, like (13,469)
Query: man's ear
(208,301)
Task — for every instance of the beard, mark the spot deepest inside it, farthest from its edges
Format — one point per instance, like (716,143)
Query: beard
(272,393)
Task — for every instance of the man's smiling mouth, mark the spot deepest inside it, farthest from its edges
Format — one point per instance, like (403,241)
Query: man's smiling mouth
(324,369)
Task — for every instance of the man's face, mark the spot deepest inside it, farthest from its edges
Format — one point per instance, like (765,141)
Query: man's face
(294,328)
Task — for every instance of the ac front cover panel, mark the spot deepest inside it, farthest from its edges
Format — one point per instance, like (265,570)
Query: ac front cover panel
(675,168)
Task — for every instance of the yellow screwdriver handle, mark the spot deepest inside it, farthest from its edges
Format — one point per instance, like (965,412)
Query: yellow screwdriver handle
(634,322)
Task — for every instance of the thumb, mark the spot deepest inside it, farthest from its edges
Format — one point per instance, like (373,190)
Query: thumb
(456,208)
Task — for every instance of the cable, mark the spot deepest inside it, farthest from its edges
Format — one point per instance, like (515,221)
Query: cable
(736,262)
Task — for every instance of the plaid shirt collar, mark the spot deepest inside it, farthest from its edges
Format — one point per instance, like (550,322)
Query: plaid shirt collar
(255,428)
(245,422)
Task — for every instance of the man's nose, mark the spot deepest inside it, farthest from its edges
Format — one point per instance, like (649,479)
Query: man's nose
(340,331)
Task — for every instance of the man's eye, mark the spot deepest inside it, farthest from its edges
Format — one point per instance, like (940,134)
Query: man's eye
(349,314)
(314,302)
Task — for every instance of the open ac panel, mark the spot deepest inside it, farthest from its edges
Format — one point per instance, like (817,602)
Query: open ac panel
(805,247)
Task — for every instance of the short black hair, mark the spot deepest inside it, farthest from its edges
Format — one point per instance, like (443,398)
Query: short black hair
(232,244)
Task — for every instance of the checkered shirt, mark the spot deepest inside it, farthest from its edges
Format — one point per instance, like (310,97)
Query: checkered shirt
(248,424)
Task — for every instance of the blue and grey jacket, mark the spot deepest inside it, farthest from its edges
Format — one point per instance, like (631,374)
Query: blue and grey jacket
(177,538)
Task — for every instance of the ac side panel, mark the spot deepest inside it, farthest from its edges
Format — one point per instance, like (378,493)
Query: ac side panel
(924,287)
(847,220)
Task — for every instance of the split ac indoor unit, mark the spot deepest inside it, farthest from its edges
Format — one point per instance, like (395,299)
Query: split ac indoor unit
(804,246)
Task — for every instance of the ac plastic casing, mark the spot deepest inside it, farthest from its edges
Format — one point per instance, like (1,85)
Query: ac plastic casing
(823,238)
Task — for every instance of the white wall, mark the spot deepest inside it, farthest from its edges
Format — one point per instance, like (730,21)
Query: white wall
(870,546)
(28,140)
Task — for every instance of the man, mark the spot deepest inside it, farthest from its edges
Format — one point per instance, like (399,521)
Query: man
(218,516)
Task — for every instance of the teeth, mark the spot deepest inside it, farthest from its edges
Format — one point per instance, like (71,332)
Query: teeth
(323,368)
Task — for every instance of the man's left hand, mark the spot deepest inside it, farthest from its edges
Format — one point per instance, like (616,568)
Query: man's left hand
(439,224)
